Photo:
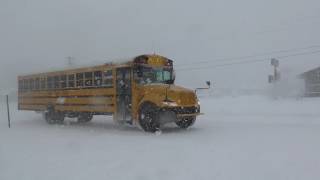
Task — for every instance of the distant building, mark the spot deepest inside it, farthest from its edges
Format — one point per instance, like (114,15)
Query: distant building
(312,82)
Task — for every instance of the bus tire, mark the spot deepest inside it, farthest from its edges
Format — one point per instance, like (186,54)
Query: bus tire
(54,117)
(186,122)
(148,118)
(59,117)
(85,117)
(48,116)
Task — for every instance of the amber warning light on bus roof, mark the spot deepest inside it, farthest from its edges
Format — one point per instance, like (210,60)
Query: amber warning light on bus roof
(153,61)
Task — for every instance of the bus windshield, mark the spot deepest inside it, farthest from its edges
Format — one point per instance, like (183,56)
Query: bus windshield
(150,75)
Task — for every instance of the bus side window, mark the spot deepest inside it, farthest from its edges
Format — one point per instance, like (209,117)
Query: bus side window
(56,82)
(37,84)
(25,85)
(79,79)
(97,78)
(88,78)
(31,84)
(107,78)
(63,81)
(71,81)
(43,83)
(50,82)
(20,85)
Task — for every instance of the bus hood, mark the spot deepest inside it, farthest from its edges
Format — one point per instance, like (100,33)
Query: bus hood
(170,95)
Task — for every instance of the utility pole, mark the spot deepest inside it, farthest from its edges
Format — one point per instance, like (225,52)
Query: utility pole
(276,74)
(8,110)
(70,61)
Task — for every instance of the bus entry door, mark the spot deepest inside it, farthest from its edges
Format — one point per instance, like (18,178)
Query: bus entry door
(124,95)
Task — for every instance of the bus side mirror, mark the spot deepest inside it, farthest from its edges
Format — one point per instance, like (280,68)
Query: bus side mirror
(203,88)
(208,83)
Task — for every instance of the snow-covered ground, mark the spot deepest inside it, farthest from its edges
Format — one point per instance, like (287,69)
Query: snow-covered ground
(243,138)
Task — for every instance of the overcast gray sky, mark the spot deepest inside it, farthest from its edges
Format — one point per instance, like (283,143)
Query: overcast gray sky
(38,35)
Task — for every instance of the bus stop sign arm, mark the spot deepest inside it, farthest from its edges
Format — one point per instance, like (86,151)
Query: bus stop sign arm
(203,88)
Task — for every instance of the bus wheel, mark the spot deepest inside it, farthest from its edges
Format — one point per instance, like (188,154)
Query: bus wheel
(59,117)
(148,118)
(48,116)
(54,117)
(85,117)
(186,122)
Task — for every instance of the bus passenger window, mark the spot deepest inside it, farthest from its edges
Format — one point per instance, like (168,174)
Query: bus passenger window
(56,82)
(97,78)
(107,78)
(71,80)
(20,85)
(63,81)
(43,83)
(37,84)
(31,84)
(25,85)
(50,82)
(88,79)
(79,79)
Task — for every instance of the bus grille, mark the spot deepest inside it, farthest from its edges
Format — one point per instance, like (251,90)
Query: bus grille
(185,110)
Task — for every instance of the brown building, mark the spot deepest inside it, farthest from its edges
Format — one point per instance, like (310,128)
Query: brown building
(312,82)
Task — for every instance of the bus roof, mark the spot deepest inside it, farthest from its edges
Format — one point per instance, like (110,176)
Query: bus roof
(111,64)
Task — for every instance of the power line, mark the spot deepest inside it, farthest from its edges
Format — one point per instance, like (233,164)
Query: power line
(249,61)
(249,56)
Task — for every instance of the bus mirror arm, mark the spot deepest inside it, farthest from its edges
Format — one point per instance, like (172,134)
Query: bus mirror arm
(204,88)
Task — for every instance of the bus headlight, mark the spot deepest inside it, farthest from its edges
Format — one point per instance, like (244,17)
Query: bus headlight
(169,103)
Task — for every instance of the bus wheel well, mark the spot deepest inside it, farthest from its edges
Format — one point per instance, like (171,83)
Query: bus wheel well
(52,116)
(148,117)
(146,103)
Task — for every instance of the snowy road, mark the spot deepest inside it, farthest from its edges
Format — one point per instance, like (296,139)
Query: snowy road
(245,138)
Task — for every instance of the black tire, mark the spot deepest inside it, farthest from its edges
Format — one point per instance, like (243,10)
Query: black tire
(48,116)
(54,117)
(59,117)
(85,117)
(186,122)
(148,118)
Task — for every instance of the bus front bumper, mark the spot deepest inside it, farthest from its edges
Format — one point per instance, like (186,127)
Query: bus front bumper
(174,114)
(188,115)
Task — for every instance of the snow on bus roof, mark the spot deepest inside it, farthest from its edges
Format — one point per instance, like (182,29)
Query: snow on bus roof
(76,67)
(94,64)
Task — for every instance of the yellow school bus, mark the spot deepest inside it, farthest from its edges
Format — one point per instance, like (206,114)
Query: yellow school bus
(140,91)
